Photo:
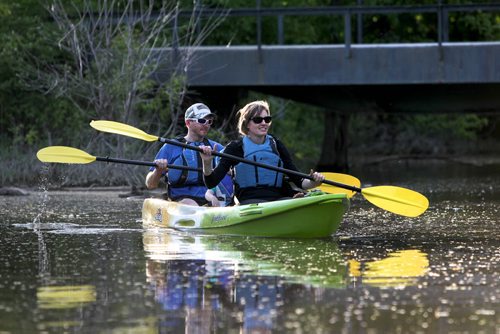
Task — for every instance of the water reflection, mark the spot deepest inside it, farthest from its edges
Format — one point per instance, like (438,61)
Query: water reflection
(398,269)
(385,274)
(65,296)
(258,284)
(247,279)
(295,260)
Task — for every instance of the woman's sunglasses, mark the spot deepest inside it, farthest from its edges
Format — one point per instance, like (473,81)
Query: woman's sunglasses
(258,119)
(202,120)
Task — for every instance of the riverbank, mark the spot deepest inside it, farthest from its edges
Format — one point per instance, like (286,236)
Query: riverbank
(118,191)
(470,160)
(392,170)
(34,175)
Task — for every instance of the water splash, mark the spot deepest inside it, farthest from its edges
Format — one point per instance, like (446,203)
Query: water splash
(43,258)
(43,194)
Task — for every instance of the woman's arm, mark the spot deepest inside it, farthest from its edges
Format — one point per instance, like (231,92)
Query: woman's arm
(212,177)
(288,164)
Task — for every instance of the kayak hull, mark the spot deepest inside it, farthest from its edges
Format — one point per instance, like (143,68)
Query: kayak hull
(309,217)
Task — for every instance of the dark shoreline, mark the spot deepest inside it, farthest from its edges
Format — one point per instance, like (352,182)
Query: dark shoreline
(471,160)
(357,163)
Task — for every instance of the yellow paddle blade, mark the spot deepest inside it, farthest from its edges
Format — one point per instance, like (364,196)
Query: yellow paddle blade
(398,200)
(340,178)
(122,129)
(64,154)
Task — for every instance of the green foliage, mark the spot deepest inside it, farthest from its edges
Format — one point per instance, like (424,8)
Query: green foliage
(474,27)
(301,127)
(34,117)
(28,117)
(459,126)
(329,29)
(49,92)
(413,134)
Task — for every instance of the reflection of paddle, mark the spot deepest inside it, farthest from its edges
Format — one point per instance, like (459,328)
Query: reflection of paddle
(398,200)
(400,268)
(70,155)
(65,297)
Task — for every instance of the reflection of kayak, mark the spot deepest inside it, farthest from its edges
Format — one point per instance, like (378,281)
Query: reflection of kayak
(318,262)
(313,216)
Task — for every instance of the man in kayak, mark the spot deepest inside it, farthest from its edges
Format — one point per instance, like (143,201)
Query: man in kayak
(184,186)
(255,184)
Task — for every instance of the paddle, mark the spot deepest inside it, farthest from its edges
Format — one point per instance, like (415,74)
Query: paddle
(70,155)
(339,178)
(398,200)
(130,131)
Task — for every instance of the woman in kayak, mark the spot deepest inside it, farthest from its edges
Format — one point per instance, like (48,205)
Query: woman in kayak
(255,184)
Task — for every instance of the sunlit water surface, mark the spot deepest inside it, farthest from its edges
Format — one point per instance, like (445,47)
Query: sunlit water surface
(81,261)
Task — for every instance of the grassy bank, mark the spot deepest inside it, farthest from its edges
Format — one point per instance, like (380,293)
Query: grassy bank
(23,169)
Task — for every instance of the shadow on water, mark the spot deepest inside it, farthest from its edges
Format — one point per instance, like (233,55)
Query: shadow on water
(82,262)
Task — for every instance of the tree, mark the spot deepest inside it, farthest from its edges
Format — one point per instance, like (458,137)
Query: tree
(108,55)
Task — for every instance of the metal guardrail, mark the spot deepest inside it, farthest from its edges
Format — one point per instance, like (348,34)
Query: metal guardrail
(442,12)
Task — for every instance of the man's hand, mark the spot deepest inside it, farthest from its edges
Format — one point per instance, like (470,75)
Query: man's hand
(161,165)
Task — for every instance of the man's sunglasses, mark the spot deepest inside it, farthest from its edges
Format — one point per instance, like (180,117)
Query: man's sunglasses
(202,120)
(258,119)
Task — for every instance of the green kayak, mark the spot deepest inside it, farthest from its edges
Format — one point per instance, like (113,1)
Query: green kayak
(314,216)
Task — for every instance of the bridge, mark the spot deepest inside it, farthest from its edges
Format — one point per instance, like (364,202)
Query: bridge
(442,76)
(390,77)
(433,77)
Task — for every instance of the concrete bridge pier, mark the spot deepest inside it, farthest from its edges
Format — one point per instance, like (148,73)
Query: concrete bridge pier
(336,138)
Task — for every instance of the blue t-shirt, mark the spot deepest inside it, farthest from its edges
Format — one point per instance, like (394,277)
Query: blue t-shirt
(184,183)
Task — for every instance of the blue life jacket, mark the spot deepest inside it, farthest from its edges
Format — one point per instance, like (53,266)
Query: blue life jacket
(184,182)
(247,175)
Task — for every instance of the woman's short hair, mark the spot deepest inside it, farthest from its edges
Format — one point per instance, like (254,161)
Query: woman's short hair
(249,111)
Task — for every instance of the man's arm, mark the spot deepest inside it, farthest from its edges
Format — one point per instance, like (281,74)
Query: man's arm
(153,178)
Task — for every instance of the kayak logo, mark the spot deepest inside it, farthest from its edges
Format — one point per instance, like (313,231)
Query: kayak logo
(218,218)
(158,216)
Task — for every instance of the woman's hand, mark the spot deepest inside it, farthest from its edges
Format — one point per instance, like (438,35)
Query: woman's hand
(318,178)
(207,153)
(210,197)
(207,158)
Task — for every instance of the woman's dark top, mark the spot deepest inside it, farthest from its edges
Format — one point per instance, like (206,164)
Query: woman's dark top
(262,192)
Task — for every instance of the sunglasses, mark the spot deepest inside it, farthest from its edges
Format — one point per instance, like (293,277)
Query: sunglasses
(202,120)
(258,119)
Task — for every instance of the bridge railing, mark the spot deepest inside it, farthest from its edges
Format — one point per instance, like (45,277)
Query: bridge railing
(441,11)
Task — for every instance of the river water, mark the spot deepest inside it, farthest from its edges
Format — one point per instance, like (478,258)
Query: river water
(80,261)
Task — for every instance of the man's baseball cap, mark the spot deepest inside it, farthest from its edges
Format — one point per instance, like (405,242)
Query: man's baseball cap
(197,111)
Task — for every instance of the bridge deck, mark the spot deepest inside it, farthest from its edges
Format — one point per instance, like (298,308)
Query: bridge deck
(365,64)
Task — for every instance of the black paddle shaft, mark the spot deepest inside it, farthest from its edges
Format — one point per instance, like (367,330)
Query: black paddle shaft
(144,163)
(258,164)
